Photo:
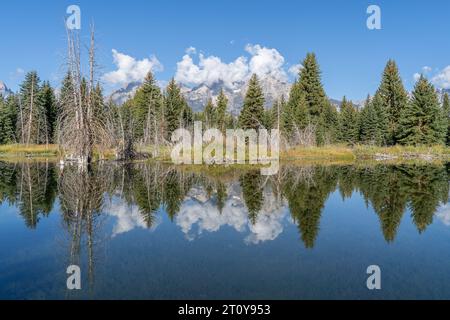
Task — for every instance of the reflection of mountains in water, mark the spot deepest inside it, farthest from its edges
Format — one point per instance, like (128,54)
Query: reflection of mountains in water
(244,200)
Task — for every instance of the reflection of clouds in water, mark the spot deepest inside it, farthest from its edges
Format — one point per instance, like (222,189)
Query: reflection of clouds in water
(128,218)
(268,226)
(443,214)
(205,216)
(197,214)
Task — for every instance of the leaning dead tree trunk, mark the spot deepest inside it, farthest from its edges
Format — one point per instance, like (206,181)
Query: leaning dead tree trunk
(80,125)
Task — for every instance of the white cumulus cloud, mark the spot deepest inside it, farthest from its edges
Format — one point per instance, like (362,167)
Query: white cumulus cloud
(130,69)
(266,61)
(211,69)
(128,218)
(442,79)
(295,69)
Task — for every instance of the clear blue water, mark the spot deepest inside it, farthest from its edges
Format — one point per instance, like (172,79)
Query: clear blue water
(155,232)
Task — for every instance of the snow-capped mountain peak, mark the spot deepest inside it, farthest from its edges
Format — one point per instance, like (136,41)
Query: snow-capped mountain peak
(198,96)
(4,90)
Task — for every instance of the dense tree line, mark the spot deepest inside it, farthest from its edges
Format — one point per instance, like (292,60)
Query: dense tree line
(390,117)
(29,117)
(307,117)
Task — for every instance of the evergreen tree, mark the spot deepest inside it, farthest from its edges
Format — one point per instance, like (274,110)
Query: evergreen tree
(252,113)
(175,108)
(210,114)
(66,98)
(421,122)
(98,103)
(369,130)
(33,119)
(8,113)
(47,101)
(330,124)
(296,115)
(394,99)
(446,110)
(382,119)
(310,84)
(276,114)
(349,128)
(147,110)
(269,116)
(222,105)
(187,115)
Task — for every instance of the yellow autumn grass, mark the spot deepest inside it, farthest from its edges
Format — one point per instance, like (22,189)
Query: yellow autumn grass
(332,152)
(28,150)
(338,152)
(365,152)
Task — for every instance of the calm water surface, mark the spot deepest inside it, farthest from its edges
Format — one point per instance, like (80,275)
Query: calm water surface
(151,231)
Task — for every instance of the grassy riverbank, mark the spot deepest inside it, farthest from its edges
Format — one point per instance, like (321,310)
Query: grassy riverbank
(333,153)
(28,151)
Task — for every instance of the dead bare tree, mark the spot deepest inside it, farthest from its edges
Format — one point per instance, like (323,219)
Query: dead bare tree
(81,127)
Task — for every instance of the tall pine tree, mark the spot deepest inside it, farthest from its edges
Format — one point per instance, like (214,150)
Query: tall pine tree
(421,122)
(32,115)
(47,101)
(369,126)
(393,99)
(446,110)
(8,118)
(147,110)
(349,123)
(210,114)
(296,115)
(177,113)
(252,114)
(222,106)
(310,84)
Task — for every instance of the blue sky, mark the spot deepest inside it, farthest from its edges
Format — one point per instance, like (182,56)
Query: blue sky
(352,57)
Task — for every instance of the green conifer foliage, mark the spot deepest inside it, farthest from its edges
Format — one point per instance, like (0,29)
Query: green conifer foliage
(421,122)
(177,113)
(252,114)
(222,106)
(393,98)
(349,122)
(446,117)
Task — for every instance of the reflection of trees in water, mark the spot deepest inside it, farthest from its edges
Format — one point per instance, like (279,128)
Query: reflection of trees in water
(252,193)
(81,194)
(390,190)
(306,193)
(427,188)
(31,186)
(382,187)
(152,186)
(221,191)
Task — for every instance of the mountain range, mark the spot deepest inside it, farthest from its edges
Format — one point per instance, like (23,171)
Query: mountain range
(4,90)
(198,96)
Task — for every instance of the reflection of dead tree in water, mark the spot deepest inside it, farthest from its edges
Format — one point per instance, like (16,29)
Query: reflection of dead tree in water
(82,125)
(298,174)
(82,198)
